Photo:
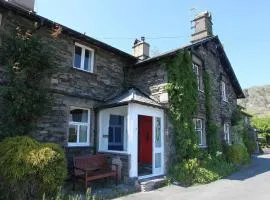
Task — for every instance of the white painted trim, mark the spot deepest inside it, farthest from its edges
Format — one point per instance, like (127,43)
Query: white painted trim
(116,152)
(83,57)
(134,110)
(105,114)
(88,124)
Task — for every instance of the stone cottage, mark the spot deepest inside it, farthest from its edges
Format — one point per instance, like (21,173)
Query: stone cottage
(108,101)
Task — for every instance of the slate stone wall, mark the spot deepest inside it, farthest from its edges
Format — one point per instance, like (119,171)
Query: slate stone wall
(69,86)
(152,79)
(221,110)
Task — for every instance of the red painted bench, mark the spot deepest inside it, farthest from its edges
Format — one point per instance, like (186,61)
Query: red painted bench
(92,167)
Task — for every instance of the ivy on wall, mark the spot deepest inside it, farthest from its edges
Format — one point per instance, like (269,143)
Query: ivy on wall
(29,62)
(183,97)
(211,127)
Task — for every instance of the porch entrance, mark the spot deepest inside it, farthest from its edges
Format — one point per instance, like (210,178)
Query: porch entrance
(145,145)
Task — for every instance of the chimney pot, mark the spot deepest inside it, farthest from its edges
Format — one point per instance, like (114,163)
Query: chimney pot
(28,5)
(141,49)
(203,26)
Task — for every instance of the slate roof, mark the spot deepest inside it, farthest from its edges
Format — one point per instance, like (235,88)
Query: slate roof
(222,55)
(132,95)
(65,30)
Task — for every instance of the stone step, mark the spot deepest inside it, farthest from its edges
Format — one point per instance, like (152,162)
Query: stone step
(150,184)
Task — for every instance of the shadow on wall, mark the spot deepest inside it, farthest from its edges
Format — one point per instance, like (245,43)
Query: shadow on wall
(260,164)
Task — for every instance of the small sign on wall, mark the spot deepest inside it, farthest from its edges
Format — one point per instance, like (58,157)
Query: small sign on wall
(105,136)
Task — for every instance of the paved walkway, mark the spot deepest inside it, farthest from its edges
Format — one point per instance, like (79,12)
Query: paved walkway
(252,183)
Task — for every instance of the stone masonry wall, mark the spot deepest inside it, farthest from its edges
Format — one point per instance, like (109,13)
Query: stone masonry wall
(152,79)
(221,110)
(69,86)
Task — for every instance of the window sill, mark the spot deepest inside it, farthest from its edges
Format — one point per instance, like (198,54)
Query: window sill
(202,91)
(114,152)
(202,146)
(83,71)
(78,145)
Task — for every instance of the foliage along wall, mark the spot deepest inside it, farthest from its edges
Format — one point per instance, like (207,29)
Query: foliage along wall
(183,101)
(25,96)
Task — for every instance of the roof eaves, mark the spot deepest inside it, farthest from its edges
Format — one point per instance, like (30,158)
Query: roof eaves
(173,52)
(33,16)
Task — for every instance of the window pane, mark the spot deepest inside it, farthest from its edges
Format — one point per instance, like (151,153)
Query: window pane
(198,124)
(118,135)
(87,60)
(111,134)
(72,133)
(79,115)
(158,132)
(116,120)
(199,133)
(77,57)
(83,134)
(157,160)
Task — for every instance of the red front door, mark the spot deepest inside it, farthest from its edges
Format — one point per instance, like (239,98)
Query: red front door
(145,139)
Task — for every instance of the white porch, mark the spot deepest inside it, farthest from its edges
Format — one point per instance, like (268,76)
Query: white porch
(120,131)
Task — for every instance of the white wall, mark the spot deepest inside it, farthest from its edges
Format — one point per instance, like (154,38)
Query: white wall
(104,117)
(134,110)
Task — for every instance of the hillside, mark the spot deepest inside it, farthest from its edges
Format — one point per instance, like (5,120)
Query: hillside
(257,100)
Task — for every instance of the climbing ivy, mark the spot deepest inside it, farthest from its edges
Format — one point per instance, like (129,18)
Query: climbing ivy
(211,127)
(25,96)
(183,96)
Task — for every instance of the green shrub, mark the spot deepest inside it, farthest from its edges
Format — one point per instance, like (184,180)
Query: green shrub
(185,172)
(238,154)
(206,170)
(62,196)
(219,165)
(251,146)
(29,169)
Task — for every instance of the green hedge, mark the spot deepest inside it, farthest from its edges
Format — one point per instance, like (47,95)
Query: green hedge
(29,169)
(200,171)
(237,154)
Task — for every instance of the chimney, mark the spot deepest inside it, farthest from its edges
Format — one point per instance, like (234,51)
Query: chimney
(141,49)
(28,5)
(202,24)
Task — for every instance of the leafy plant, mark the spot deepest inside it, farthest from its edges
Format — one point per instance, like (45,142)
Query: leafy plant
(237,154)
(213,143)
(195,171)
(62,196)
(183,97)
(29,63)
(28,169)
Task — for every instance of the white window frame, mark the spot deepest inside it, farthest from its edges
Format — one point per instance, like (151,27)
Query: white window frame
(224,91)
(227,136)
(77,143)
(83,57)
(200,129)
(196,70)
(123,139)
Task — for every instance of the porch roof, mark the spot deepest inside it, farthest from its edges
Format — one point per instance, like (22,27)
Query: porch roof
(131,96)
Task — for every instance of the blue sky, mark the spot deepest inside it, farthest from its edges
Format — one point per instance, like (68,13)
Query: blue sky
(243,27)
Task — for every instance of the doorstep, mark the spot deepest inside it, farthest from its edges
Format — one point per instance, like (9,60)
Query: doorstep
(152,183)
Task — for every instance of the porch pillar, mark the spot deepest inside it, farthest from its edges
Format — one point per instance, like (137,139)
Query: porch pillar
(133,140)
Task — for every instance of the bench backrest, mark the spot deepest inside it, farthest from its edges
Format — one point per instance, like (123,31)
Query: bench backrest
(98,161)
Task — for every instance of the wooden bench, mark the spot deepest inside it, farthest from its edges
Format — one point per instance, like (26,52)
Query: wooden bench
(92,167)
